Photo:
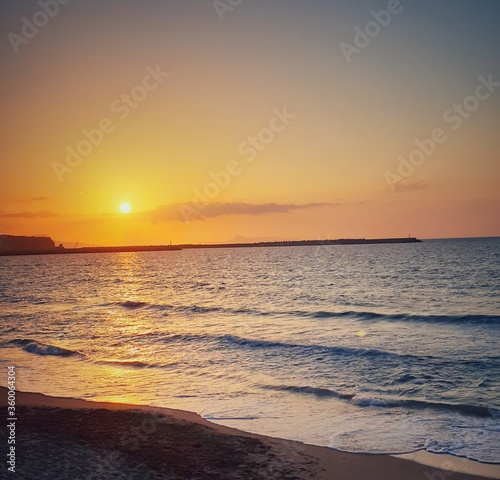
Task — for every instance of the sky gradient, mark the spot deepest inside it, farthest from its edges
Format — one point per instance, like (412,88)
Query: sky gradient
(250,120)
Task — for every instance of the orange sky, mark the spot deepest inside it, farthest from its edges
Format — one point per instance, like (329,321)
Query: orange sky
(255,125)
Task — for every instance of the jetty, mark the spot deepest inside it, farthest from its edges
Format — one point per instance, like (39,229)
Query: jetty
(11,245)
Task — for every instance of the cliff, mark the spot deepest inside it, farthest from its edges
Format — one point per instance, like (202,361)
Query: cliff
(11,243)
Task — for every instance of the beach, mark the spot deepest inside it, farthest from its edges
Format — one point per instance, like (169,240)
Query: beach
(64,438)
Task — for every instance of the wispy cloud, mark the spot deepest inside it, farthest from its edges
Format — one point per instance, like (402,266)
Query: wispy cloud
(37,199)
(31,199)
(180,212)
(187,211)
(405,186)
(43,214)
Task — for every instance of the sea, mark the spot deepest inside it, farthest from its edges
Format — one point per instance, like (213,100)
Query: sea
(391,348)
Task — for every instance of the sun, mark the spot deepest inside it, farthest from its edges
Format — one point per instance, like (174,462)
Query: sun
(125,207)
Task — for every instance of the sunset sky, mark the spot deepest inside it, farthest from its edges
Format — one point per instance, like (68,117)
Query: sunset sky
(273,118)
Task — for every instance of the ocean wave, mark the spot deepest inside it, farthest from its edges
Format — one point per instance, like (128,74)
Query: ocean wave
(474,410)
(315,391)
(133,364)
(232,341)
(38,348)
(309,351)
(10,330)
(319,314)
(367,316)
(365,401)
(42,349)
(126,304)
(132,305)
(319,349)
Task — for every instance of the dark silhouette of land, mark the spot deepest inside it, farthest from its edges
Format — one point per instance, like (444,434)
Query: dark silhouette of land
(19,243)
(11,245)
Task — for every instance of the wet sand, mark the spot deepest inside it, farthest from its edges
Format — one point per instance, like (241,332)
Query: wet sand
(61,438)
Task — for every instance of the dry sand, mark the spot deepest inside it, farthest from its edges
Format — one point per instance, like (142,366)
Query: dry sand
(61,438)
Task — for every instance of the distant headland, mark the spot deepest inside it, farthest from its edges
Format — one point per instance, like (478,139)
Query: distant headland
(19,245)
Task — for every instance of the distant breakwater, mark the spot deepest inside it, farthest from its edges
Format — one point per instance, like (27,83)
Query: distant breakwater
(159,248)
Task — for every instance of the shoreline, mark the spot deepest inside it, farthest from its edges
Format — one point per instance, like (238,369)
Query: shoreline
(256,456)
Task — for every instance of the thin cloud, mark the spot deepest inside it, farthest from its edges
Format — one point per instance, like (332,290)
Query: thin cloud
(190,211)
(404,186)
(43,214)
(32,199)
(37,199)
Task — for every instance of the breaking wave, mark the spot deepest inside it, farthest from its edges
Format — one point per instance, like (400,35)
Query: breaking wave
(363,401)
(38,348)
